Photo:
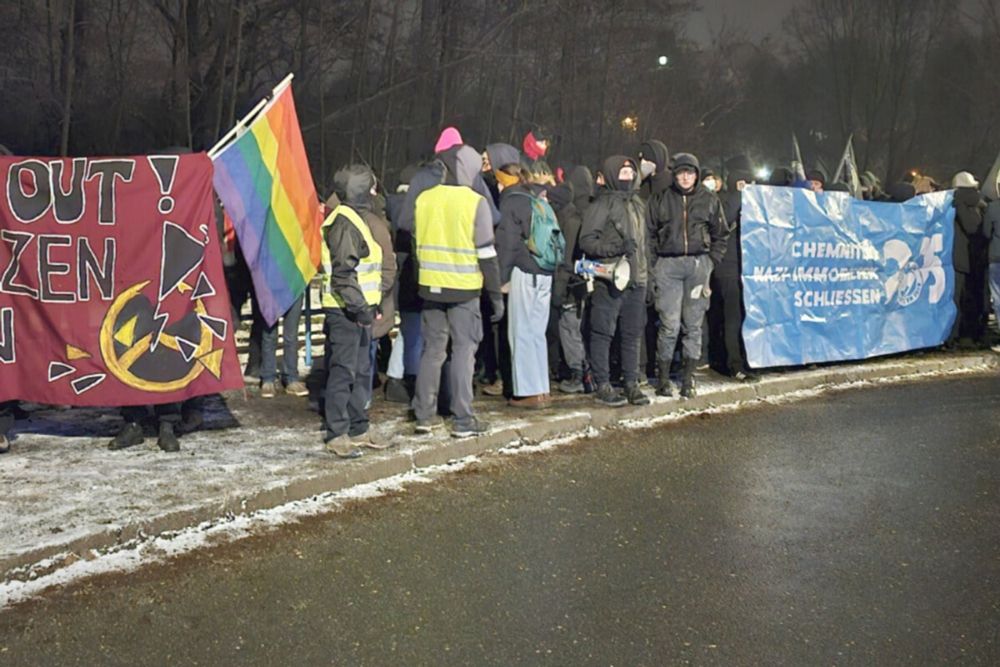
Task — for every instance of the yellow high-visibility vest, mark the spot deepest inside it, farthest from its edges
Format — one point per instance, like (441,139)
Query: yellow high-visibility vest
(445,231)
(369,269)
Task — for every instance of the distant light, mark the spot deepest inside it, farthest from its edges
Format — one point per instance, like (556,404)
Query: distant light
(663,60)
(630,123)
(762,174)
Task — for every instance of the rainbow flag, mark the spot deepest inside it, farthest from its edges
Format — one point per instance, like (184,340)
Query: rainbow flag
(264,183)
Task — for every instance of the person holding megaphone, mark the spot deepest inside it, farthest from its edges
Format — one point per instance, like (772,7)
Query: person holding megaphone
(614,227)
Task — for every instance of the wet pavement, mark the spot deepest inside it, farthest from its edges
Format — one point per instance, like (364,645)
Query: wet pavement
(861,527)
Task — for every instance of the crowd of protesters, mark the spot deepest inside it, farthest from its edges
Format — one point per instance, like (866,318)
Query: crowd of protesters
(478,262)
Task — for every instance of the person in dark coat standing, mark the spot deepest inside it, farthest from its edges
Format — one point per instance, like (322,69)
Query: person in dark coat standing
(569,291)
(614,227)
(689,235)
(970,258)
(726,312)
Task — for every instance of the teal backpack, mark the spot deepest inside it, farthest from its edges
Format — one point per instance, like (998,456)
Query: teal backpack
(545,240)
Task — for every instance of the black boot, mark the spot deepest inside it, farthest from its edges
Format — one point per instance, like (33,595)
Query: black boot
(129,436)
(168,440)
(664,387)
(573,384)
(687,378)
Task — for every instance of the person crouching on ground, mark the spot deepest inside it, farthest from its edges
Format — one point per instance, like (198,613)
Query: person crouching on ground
(614,226)
(527,278)
(690,235)
(352,261)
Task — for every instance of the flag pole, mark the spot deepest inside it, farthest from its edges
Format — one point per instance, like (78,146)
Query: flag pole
(241,126)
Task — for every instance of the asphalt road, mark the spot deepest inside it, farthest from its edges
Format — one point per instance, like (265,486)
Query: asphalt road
(861,528)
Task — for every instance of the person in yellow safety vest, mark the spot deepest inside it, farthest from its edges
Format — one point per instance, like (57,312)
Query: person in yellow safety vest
(352,265)
(456,260)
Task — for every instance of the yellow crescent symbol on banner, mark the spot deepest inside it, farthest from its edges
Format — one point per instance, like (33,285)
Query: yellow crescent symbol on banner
(121,366)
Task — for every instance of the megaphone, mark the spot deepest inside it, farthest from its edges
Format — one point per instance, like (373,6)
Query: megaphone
(617,272)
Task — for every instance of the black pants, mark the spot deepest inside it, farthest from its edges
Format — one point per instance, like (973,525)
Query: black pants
(165,412)
(727,351)
(612,311)
(7,416)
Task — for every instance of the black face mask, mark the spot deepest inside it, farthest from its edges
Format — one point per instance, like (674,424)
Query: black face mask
(623,186)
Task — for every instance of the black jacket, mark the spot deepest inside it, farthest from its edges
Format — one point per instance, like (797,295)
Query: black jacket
(567,286)
(612,219)
(687,223)
(657,153)
(969,237)
(513,233)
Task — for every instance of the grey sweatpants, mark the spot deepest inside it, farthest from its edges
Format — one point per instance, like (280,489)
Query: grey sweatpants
(462,323)
(682,298)
(571,337)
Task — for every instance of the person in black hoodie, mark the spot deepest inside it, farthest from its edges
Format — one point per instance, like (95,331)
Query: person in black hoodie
(569,291)
(654,164)
(970,259)
(689,236)
(613,226)
(726,312)
(583,188)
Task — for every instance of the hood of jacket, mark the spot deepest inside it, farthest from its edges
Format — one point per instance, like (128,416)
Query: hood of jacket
(613,165)
(582,181)
(468,165)
(501,155)
(656,152)
(353,185)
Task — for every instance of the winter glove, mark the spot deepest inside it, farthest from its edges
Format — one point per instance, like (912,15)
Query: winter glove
(365,317)
(496,302)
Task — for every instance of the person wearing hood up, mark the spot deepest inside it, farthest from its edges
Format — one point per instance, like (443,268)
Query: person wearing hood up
(726,311)
(690,235)
(456,261)
(527,264)
(711,182)
(352,292)
(614,227)
(654,165)
(583,188)
(969,257)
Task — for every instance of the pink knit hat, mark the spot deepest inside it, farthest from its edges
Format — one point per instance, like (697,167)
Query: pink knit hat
(449,139)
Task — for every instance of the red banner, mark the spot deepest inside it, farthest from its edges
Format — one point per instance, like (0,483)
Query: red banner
(111,283)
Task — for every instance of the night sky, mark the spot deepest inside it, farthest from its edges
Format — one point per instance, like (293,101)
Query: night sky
(755,19)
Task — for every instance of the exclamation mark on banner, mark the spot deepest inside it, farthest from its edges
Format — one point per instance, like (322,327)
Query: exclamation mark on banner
(165,168)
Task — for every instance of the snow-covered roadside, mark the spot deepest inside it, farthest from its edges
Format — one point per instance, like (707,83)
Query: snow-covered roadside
(149,480)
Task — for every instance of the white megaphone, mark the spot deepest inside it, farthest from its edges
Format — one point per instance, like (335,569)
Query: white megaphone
(617,272)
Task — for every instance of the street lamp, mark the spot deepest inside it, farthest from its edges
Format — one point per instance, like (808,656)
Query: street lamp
(663,61)
(762,174)
(630,124)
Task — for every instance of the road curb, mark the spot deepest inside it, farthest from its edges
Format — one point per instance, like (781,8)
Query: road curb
(415,453)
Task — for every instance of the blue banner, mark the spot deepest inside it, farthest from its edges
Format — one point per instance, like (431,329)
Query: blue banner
(828,277)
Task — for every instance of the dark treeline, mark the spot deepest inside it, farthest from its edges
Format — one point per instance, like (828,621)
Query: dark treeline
(377,79)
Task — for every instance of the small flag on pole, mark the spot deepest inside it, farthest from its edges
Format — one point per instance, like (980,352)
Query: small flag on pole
(848,170)
(263,179)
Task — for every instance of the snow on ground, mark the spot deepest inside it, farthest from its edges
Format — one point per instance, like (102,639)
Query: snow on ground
(61,482)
